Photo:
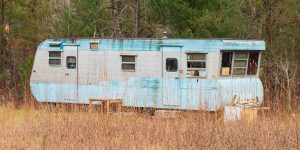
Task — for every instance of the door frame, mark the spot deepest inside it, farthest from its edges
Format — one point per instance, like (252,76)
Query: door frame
(174,78)
(66,70)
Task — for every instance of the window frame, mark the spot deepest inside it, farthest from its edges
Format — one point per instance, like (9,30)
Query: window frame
(94,49)
(199,69)
(54,58)
(133,63)
(75,62)
(176,64)
(239,59)
(232,67)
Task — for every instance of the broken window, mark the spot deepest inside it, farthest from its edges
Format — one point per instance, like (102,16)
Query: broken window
(128,63)
(238,63)
(252,63)
(226,63)
(171,64)
(71,62)
(196,64)
(54,58)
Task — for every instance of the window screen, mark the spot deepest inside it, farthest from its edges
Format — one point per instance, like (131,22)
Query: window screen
(71,62)
(54,58)
(171,64)
(128,63)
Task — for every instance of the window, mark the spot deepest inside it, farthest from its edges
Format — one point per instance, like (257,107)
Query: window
(94,45)
(71,62)
(239,63)
(196,64)
(253,63)
(54,58)
(171,64)
(128,63)
(226,63)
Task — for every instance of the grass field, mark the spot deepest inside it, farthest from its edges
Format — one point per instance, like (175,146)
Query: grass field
(29,128)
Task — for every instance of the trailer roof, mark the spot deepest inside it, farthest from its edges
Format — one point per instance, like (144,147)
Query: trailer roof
(197,45)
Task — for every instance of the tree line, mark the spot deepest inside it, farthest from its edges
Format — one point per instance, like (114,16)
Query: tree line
(25,23)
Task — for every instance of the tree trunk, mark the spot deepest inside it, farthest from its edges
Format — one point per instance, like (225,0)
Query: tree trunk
(137,18)
(2,38)
(35,24)
(116,6)
(253,22)
(268,26)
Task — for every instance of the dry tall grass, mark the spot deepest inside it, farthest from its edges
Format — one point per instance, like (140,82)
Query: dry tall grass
(29,128)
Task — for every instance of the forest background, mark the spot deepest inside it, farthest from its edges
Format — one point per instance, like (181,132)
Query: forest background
(26,23)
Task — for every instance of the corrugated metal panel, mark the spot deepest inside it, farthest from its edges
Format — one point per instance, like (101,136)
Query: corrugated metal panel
(146,92)
(101,76)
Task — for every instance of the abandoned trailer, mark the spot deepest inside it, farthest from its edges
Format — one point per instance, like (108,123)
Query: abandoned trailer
(189,74)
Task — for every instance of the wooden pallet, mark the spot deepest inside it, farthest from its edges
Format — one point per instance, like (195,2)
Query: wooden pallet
(105,104)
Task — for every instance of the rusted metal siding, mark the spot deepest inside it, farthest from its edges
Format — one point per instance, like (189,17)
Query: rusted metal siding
(99,74)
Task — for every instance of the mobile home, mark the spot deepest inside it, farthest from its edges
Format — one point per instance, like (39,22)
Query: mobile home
(188,74)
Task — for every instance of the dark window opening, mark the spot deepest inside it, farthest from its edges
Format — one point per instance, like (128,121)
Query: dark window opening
(253,63)
(54,62)
(54,54)
(226,63)
(128,67)
(128,59)
(243,63)
(196,64)
(71,62)
(128,63)
(54,58)
(171,64)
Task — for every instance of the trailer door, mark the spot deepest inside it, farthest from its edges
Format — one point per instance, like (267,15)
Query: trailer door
(70,73)
(171,73)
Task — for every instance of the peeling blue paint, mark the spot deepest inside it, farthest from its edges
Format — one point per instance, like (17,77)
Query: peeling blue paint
(147,92)
(179,93)
(154,44)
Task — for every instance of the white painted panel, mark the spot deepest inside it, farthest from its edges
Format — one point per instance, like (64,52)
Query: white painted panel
(171,80)
(213,65)
(70,75)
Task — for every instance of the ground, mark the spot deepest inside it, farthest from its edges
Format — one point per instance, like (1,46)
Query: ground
(32,128)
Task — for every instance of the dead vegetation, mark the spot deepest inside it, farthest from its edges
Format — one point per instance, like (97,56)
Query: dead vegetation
(29,128)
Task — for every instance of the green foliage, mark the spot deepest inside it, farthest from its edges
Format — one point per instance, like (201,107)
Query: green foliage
(82,18)
(2,77)
(32,21)
(29,20)
(200,18)
(24,71)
